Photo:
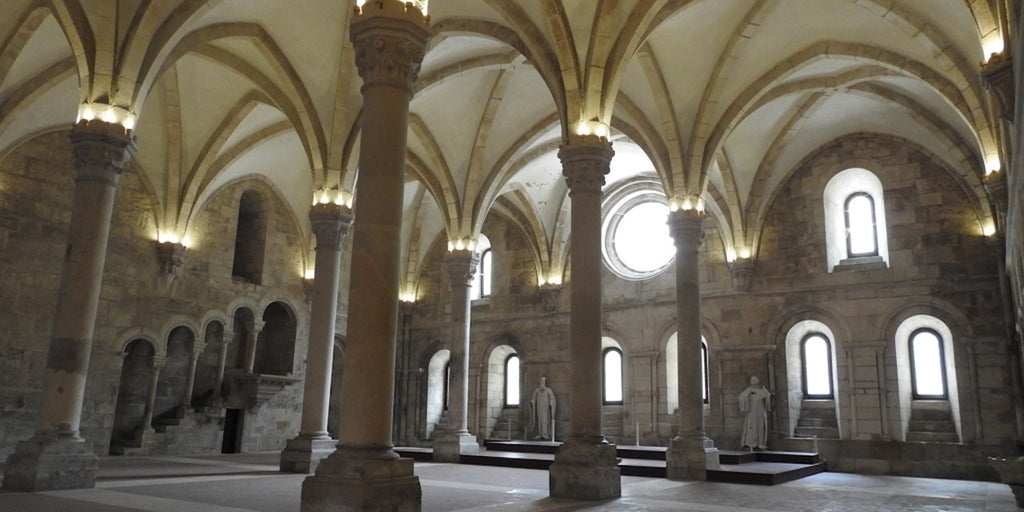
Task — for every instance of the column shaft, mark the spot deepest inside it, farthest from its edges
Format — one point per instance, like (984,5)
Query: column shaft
(190,378)
(222,361)
(156,365)
(448,446)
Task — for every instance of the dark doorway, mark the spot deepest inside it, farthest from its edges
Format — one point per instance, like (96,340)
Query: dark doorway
(232,442)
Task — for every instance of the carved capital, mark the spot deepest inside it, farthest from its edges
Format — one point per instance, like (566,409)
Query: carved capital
(742,271)
(101,151)
(585,163)
(686,228)
(330,225)
(461,267)
(390,38)
(995,185)
(549,294)
(172,258)
(156,363)
(997,75)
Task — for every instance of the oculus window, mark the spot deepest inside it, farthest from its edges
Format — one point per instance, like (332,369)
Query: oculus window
(635,237)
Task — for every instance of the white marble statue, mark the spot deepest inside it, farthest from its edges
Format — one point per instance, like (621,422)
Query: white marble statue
(755,401)
(542,411)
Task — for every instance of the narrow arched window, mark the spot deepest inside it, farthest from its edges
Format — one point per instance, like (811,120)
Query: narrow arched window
(927,365)
(447,377)
(612,376)
(704,372)
(816,354)
(512,381)
(482,279)
(250,239)
(861,235)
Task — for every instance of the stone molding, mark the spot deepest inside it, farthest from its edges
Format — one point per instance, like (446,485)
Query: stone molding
(101,151)
(462,267)
(585,164)
(390,39)
(330,224)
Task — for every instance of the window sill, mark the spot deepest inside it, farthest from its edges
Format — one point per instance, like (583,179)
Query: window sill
(861,263)
(484,303)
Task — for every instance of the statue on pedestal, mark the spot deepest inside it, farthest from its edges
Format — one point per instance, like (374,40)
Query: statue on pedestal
(542,411)
(755,401)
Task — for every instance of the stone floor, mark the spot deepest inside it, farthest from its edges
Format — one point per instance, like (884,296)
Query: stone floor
(251,482)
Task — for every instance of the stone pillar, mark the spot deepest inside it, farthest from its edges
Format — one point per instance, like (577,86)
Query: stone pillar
(690,453)
(156,363)
(190,378)
(585,466)
(302,454)
(365,473)
(250,345)
(222,361)
(57,457)
(457,439)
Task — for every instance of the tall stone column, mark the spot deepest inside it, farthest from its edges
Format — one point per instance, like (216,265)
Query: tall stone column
(190,378)
(585,466)
(222,361)
(156,363)
(690,454)
(365,473)
(57,457)
(302,454)
(457,439)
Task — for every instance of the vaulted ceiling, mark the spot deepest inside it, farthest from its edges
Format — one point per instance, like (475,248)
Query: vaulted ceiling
(719,98)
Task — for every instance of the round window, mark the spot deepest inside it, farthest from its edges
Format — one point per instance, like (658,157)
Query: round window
(637,243)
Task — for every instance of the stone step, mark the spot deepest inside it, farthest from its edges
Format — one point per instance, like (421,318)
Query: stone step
(817,432)
(932,437)
(931,426)
(816,422)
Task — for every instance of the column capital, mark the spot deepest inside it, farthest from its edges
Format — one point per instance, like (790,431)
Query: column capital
(227,337)
(585,162)
(157,362)
(997,76)
(462,266)
(995,185)
(390,38)
(330,224)
(686,226)
(101,151)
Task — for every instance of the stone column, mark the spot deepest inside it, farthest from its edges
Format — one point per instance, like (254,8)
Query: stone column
(457,439)
(303,453)
(222,361)
(190,378)
(250,345)
(690,453)
(365,473)
(57,457)
(585,466)
(156,363)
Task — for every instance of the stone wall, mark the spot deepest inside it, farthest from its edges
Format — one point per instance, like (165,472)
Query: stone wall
(940,265)
(36,181)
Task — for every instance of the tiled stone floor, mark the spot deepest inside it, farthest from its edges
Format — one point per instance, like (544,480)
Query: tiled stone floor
(251,482)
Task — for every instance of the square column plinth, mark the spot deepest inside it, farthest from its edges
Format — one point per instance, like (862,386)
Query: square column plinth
(51,464)
(448,446)
(689,458)
(343,484)
(303,455)
(585,471)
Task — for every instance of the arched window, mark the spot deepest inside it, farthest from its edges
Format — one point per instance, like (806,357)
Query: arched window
(612,376)
(672,372)
(855,229)
(704,371)
(250,238)
(816,354)
(482,281)
(447,377)
(927,365)
(861,236)
(512,381)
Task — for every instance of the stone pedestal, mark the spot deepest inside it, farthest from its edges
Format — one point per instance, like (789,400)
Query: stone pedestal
(303,454)
(585,469)
(689,458)
(41,464)
(362,480)
(448,446)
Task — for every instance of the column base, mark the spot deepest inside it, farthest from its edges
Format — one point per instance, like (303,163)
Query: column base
(585,468)
(303,454)
(689,458)
(47,464)
(367,479)
(449,446)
